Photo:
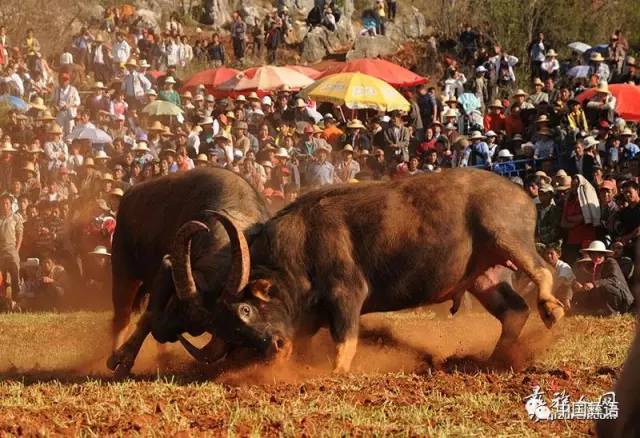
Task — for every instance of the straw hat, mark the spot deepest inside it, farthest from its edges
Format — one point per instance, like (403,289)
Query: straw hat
(282,153)
(144,63)
(505,153)
(202,158)
(538,81)
(156,127)
(561,173)
(496,104)
(631,61)
(132,62)
(543,118)
(476,135)
(266,100)
(99,86)
(603,87)
(347,148)
(317,129)
(101,155)
(551,54)
(167,132)
(54,129)
(187,95)
(29,167)
(253,96)
(520,92)
(34,149)
(450,113)
(626,132)
(141,146)
(563,184)
(88,162)
(596,247)
(300,103)
(355,123)
(543,175)
(596,56)
(169,80)
(107,177)
(241,98)
(267,163)
(101,251)
(46,116)
(7,147)
(590,142)
(117,192)
(38,103)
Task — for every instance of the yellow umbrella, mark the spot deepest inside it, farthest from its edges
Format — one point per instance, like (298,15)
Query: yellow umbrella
(357,91)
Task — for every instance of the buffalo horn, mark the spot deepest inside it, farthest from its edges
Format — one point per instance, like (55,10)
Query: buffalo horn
(181,258)
(214,351)
(238,276)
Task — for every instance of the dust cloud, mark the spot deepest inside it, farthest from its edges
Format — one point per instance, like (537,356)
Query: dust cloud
(77,345)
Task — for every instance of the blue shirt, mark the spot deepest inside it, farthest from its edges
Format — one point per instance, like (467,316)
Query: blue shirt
(320,174)
(481,153)
(506,168)
(631,150)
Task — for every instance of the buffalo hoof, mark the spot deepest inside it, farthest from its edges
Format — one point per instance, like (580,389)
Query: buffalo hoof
(120,363)
(551,312)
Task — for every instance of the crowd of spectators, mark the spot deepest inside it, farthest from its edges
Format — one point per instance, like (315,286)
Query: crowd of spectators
(576,159)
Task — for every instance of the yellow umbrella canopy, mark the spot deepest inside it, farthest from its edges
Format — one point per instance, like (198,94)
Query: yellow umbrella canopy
(356,91)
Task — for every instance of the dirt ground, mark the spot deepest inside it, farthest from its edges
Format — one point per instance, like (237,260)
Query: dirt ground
(414,375)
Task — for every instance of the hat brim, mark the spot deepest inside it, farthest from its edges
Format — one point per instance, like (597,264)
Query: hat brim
(588,251)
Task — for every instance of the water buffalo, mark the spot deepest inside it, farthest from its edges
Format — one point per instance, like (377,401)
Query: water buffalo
(154,214)
(346,250)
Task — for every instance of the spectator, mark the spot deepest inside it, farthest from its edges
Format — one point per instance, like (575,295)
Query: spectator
(238,36)
(606,292)
(11,234)
(629,217)
(580,217)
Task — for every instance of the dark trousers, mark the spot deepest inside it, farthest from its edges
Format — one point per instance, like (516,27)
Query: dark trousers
(392,7)
(536,69)
(600,301)
(10,264)
(238,48)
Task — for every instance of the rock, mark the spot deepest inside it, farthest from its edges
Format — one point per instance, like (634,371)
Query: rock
(409,25)
(315,45)
(372,47)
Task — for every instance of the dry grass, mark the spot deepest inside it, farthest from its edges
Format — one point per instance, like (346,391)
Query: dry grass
(54,382)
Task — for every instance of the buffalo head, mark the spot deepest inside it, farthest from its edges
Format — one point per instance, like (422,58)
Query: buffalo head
(249,313)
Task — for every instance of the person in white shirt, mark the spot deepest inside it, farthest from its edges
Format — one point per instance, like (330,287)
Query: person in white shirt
(66,58)
(172,52)
(120,51)
(565,274)
(185,53)
(135,85)
(66,101)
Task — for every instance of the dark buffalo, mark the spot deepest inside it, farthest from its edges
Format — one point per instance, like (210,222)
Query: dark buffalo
(339,252)
(153,215)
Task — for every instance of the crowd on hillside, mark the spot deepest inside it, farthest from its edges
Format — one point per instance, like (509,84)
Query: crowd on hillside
(576,158)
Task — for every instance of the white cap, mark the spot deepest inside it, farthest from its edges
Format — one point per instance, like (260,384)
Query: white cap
(266,100)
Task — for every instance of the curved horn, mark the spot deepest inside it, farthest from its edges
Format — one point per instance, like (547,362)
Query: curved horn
(214,351)
(238,276)
(181,257)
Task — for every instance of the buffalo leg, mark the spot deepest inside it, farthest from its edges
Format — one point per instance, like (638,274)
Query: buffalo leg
(525,258)
(509,308)
(124,292)
(121,361)
(344,322)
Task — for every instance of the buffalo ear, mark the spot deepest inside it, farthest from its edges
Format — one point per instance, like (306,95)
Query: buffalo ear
(261,290)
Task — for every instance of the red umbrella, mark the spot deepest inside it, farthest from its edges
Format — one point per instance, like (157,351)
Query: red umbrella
(211,78)
(307,71)
(266,79)
(627,100)
(389,72)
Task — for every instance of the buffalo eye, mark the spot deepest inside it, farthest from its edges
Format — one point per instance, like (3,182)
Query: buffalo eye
(244,312)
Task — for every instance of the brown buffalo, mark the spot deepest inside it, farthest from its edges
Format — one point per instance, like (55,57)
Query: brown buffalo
(346,250)
(154,214)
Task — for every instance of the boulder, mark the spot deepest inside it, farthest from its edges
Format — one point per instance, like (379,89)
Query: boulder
(411,24)
(315,45)
(372,47)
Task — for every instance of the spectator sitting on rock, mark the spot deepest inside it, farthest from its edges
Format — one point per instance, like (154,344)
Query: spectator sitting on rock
(328,19)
